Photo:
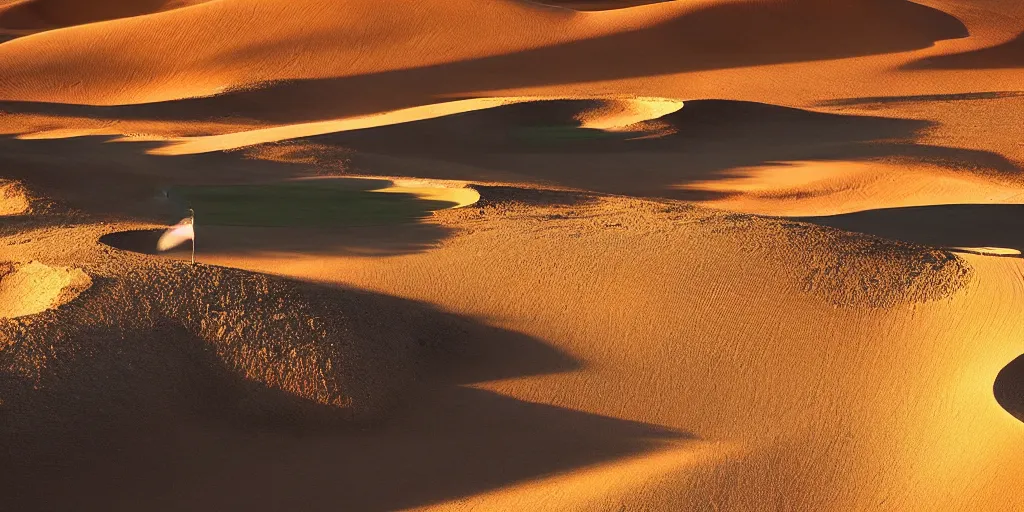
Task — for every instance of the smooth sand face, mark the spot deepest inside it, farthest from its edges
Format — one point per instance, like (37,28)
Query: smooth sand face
(600,255)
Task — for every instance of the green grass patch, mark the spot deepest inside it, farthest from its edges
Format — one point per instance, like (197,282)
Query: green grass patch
(318,203)
(556,134)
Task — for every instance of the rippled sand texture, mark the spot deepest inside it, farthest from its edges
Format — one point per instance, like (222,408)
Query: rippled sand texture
(507,255)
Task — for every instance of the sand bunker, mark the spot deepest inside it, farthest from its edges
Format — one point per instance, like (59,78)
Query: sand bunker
(13,200)
(29,288)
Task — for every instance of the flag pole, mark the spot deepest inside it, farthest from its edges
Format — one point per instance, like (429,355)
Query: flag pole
(192,214)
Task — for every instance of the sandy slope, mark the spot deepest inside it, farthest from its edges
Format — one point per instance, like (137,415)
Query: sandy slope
(724,353)
(379,40)
(542,349)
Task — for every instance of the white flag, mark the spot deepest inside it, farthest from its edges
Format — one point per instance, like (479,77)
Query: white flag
(177,235)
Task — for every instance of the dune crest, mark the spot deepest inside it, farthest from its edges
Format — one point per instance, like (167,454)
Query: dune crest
(596,255)
(363,38)
(619,115)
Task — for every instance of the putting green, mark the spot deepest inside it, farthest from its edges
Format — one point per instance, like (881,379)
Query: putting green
(322,202)
(542,135)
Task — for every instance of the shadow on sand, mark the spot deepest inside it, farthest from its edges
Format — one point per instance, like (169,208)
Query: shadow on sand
(541,142)
(1003,56)
(759,33)
(345,241)
(154,422)
(703,141)
(1009,388)
(949,226)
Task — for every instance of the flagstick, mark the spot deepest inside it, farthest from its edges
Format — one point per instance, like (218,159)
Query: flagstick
(193,235)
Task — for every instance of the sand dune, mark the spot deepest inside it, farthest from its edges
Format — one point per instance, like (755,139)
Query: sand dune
(737,155)
(611,115)
(503,254)
(172,67)
(1006,55)
(592,320)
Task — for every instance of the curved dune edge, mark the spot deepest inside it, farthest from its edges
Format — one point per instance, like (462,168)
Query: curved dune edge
(13,199)
(611,115)
(1009,388)
(815,188)
(618,115)
(429,191)
(194,145)
(30,288)
(178,66)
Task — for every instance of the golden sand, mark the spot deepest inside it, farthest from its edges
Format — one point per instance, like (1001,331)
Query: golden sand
(701,255)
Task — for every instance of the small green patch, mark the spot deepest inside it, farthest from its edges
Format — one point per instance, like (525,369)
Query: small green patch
(555,134)
(319,203)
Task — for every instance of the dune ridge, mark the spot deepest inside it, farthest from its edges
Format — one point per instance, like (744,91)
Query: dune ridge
(562,255)
(45,14)
(172,67)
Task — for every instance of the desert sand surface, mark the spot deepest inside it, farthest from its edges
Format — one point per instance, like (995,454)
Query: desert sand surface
(512,255)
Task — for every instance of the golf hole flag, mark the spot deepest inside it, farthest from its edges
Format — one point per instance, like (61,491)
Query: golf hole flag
(177,234)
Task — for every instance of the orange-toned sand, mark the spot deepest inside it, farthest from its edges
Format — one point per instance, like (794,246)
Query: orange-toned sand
(706,255)
(32,287)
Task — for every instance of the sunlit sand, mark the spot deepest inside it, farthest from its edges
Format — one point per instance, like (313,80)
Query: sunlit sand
(512,255)
(29,288)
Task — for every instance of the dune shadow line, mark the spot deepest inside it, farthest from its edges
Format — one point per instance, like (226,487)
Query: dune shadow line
(759,33)
(948,226)
(1009,388)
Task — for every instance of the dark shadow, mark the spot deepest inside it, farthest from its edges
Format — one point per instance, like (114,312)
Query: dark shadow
(392,239)
(110,180)
(1004,56)
(755,33)
(881,100)
(598,5)
(495,194)
(949,225)
(705,140)
(460,443)
(123,415)
(539,142)
(319,203)
(321,216)
(9,36)
(1009,388)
